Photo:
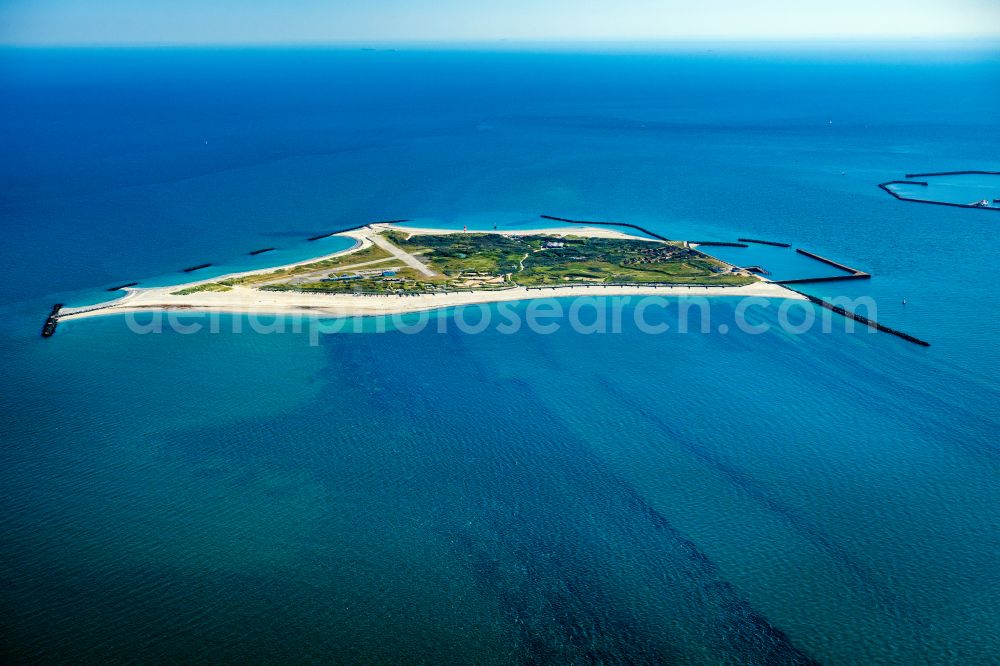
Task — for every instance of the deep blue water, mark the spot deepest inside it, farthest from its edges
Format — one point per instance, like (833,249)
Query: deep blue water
(446,497)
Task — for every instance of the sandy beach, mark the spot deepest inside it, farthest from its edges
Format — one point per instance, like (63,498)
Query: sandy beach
(247,300)
(581,230)
(241,299)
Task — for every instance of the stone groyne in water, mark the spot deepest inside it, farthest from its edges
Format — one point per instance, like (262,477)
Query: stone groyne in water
(852,273)
(606,224)
(763,242)
(864,320)
(360,226)
(49,327)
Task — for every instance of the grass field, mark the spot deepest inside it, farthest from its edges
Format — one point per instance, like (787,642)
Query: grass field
(479,261)
(211,286)
(536,260)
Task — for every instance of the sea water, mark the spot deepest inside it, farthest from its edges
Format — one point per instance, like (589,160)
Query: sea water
(445,497)
(958,188)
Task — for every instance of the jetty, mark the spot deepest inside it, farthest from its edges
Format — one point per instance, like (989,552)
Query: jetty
(355,228)
(831,262)
(718,244)
(192,269)
(763,242)
(606,224)
(852,273)
(831,278)
(123,286)
(862,319)
(49,327)
(261,251)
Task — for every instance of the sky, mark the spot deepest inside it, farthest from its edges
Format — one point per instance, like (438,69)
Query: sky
(107,22)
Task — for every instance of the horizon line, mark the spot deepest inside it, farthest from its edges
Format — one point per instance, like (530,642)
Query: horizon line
(916,39)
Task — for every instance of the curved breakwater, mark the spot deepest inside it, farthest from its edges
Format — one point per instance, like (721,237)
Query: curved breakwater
(953,173)
(980,205)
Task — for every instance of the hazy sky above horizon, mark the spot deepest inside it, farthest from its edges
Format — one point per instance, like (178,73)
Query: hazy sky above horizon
(319,21)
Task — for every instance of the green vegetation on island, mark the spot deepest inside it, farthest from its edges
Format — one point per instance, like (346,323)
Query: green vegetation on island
(485,261)
(554,260)
(208,286)
(481,261)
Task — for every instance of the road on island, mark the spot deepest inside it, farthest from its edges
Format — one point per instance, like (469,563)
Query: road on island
(406,257)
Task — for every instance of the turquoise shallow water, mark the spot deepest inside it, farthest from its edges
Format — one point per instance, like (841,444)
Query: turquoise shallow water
(292,250)
(529,498)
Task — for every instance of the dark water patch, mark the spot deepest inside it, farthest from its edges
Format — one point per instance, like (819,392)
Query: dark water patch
(547,521)
(576,596)
(747,484)
(903,394)
(559,616)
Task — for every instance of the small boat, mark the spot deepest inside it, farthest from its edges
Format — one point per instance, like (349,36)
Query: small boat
(982,203)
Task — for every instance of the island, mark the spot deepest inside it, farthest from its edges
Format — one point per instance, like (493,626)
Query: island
(394,269)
